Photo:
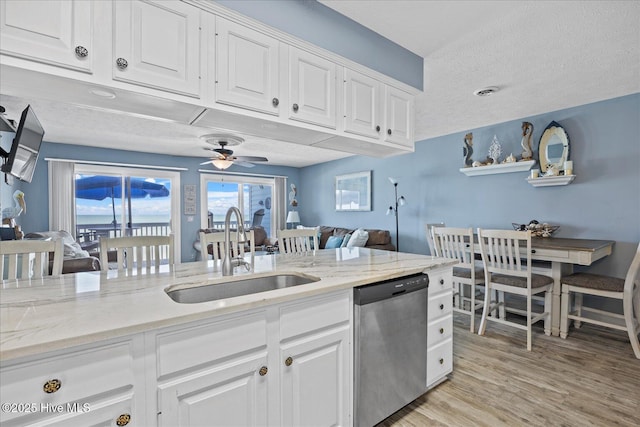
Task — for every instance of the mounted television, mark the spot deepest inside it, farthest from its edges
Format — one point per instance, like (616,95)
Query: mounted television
(21,160)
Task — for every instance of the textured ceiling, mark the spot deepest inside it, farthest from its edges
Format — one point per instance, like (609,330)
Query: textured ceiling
(543,56)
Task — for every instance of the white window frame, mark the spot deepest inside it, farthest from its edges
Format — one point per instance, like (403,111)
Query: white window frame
(174,176)
(206,178)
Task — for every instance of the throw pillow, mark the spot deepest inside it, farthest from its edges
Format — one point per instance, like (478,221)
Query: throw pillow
(345,240)
(333,242)
(358,238)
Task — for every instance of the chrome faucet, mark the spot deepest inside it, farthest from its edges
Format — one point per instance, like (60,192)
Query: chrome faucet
(227,262)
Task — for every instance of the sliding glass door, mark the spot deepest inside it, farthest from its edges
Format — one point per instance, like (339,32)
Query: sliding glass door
(252,196)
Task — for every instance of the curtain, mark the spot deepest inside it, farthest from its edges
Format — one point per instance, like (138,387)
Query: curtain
(280,202)
(62,206)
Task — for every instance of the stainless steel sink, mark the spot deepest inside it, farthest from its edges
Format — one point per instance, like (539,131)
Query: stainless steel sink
(237,288)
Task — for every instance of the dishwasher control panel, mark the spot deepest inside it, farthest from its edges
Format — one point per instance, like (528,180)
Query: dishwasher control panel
(389,288)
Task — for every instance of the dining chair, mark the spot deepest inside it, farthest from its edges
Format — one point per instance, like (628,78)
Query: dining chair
(627,290)
(216,241)
(30,258)
(458,244)
(506,256)
(428,229)
(298,240)
(138,252)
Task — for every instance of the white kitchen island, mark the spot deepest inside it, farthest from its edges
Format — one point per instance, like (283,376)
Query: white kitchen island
(108,349)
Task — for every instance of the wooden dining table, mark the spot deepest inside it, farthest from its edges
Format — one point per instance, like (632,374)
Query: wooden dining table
(562,254)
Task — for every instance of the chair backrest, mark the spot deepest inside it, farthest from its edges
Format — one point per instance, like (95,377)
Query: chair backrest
(216,240)
(429,231)
(138,252)
(455,243)
(30,258)
(506,252)
(298,240)
(632,283)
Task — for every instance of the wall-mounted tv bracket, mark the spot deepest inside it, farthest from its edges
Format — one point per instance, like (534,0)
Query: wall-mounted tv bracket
(6,125)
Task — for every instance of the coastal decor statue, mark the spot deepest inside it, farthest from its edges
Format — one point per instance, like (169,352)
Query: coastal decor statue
(467,150)
(527,132)
(495,150)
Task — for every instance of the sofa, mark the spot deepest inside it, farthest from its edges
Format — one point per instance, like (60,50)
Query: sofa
(378,239)
(75,258)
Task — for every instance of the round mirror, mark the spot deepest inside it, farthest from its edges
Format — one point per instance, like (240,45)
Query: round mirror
(554,147)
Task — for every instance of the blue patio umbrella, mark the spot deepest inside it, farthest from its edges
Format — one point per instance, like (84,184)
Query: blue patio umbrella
(99,187)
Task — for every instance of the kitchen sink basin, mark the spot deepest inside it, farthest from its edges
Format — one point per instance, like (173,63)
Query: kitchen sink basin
(237,288)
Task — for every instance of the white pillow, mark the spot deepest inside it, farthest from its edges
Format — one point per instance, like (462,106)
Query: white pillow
(358,238)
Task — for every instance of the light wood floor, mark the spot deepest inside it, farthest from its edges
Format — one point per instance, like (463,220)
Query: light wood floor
(590,379)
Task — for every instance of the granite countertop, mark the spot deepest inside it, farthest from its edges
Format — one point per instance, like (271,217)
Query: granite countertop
(73,309)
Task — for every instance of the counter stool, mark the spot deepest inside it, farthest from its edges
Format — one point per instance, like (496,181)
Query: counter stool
(627,290)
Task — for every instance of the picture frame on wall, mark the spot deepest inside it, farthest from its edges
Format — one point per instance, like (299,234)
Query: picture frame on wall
(353,191)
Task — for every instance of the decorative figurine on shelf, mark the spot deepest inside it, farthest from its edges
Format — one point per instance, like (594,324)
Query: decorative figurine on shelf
(467,150)
(495,150)
(510,159)
(527,131)
(552,170)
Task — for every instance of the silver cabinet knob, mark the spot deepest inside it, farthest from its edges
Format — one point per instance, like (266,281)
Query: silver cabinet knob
(295,108)
(122,63)
(81,52)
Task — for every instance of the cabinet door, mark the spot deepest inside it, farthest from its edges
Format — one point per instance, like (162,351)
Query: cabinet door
(247,68)
(56,32)
(233,393)
(362,104)
(315,384)
(398,116)
(312,89)
(157,44)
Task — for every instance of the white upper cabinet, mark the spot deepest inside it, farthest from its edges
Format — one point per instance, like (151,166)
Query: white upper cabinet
(56,32)
(247,68)
(362,110)
(398,115)
(157,44)
(312,88)
(377,110)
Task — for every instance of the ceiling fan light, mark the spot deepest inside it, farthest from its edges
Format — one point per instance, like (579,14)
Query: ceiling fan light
(222,164)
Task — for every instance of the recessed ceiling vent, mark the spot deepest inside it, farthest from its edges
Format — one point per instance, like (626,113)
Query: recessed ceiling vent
(486,91)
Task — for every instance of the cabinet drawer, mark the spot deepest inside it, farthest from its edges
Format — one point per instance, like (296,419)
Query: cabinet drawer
(440,281)
(439,331)
(440,305)
(439,361)
(204,344)
(317,313)
(70,377)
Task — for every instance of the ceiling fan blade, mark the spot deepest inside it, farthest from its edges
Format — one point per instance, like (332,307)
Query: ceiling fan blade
(243,163)
(251,158)
(207,162)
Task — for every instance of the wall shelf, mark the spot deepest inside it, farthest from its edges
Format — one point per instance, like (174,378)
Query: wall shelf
(500,168)
(549,181)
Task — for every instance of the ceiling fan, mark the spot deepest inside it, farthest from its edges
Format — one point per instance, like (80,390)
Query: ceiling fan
(223,158)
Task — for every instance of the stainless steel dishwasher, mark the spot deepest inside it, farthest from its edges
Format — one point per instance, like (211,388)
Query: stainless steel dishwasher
(390,347)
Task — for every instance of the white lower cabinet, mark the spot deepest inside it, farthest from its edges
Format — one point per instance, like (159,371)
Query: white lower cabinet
(99,386)
(287,364)
(439,326)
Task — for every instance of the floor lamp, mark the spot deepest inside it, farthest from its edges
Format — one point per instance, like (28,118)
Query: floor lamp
(400,201)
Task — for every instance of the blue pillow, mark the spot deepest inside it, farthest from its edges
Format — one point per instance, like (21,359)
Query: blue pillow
(333,242)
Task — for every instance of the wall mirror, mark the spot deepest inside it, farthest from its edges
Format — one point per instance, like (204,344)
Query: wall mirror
(554,147)
(353,192)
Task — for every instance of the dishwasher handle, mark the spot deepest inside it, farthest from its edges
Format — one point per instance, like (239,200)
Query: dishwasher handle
(392,288)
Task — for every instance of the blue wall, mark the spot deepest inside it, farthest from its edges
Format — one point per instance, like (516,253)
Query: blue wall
(602,203)
(37,197)
(324,27)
